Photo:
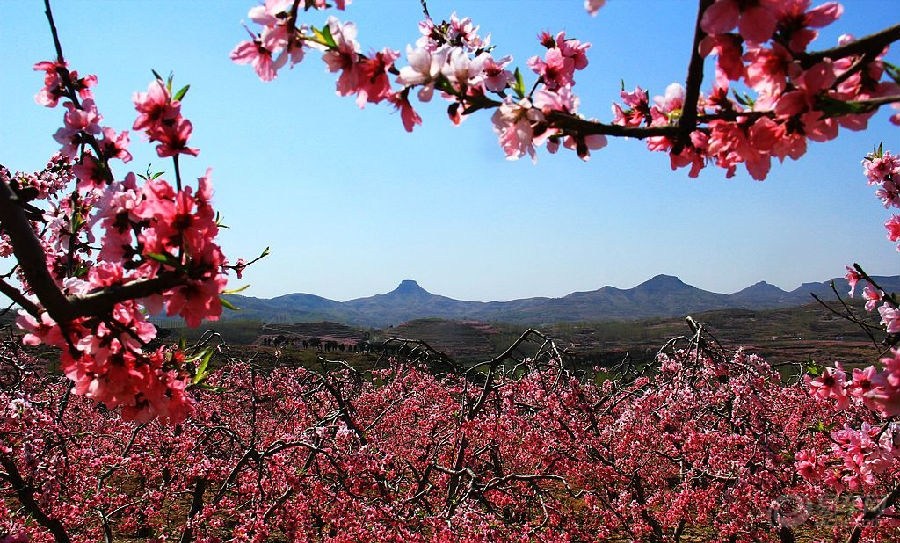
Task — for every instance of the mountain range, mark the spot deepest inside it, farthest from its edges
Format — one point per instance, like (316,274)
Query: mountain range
(661,296)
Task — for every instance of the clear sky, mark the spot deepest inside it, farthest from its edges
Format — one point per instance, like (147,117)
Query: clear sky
(351,204)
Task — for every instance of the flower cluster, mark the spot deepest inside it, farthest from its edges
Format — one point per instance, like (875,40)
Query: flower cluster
(857,460)
(786,96)
(280,42)
(861,454)
(881,168)
(857,457)
(877,390)
(156,252)
(159,116)
(450,57)
(795,97)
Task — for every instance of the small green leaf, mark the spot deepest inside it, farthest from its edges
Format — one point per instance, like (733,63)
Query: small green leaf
(180,94)
(519,85)
(160,257)
(236,290)
(832,107)
(892,70)
(204,364)
(150,175)
(813,369)
(329,39)
(324,36)
(218,221)
(443,84)
(157,76)
(743,99)
(77,222)
(821,427)
(228,305)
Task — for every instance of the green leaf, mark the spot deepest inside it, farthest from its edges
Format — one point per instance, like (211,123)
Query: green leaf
(443,84)
(218,221)
(236,290)
(743,99)
(329,39)
(228,305)
(519,85)
(264,254)
(813,369)
(160,257)
(157,76)
(149,175)
(821,427)
(832,107)
(204,364)
(77,222)
(324,36)
(892,70)
(180,94)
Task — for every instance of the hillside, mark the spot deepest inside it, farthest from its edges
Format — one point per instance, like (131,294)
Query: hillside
(661,296)
(782,336)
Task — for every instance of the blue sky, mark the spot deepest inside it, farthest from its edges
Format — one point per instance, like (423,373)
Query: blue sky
(351,204)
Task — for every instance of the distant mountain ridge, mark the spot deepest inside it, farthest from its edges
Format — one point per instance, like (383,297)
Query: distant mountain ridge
(660,296)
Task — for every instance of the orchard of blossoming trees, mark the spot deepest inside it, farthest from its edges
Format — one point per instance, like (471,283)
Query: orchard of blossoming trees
(703,445)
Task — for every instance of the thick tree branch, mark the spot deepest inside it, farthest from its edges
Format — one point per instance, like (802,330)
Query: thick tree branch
(102,301)
(32,259)
(872,42)
(688,121)
(17,297)
(31,256)
(187,536)
(573,123)
(690,115)
(25,495)
(872,514)
(875,103)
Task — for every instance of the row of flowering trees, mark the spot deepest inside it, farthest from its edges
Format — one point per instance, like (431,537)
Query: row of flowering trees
(704,444)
